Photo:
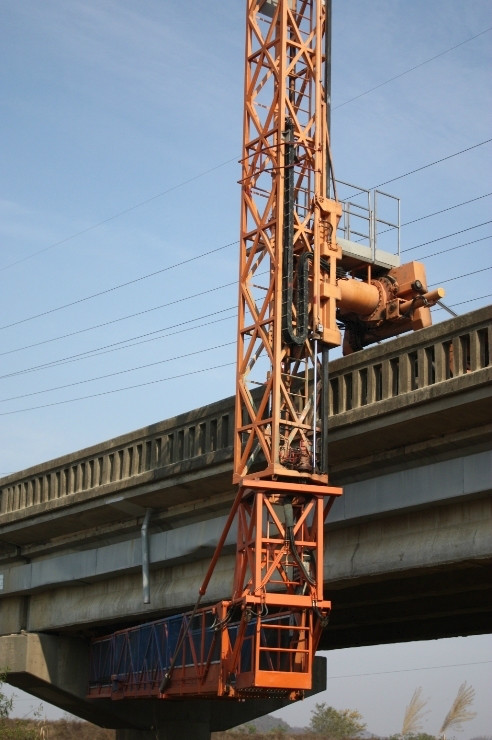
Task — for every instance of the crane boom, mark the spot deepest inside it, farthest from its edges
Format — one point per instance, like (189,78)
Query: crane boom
(287,283)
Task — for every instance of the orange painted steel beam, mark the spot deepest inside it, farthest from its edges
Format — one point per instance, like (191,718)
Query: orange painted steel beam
(288,297)
(288,254)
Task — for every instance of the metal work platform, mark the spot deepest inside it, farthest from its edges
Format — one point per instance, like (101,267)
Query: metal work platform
(369,229)
(204,654)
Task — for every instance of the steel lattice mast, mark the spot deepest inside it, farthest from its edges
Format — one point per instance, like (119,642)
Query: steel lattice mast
(288,290)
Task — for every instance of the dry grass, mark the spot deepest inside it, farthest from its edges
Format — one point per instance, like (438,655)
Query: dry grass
(459,711)
(62,729)
(412,721)
(11,729)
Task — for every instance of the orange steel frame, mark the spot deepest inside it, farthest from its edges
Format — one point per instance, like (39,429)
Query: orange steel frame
(263,640)
(284,115)
(287,306)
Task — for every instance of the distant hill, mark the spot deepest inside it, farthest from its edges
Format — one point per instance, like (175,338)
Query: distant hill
(267,724)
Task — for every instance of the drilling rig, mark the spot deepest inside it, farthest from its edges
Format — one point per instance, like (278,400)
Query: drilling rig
(298,286)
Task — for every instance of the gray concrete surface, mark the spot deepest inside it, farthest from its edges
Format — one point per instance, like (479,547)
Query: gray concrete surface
(408,546)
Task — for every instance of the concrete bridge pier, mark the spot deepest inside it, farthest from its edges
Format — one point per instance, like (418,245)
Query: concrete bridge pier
(174,731)
(193,729)
(55,669)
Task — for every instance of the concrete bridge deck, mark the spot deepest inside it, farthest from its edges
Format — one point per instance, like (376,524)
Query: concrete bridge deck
(409,545)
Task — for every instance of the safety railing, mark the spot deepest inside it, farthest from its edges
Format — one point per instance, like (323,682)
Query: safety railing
(166,444)
(459,347)
(416,361)
(370,218)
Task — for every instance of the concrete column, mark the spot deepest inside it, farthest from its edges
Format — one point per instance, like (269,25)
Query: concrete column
(171,730)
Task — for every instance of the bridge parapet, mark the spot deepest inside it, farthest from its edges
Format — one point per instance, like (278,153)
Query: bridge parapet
(198,435)
(448,350)
(384,378)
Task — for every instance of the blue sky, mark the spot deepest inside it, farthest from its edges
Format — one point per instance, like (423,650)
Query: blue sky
(121,130)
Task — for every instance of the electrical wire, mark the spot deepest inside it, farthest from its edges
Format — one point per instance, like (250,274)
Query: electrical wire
(131,387)
(469,300)
(440,238)
(110,348)
(119,372)
(407,670)
(460,277)
(451,249)
(204,292)
(412,69)
(130,342)
(431,164)
(119,390)
(105,349)
(119,214)
(120,318)
(205,254)
(120,285)
(222,164)
(443,210)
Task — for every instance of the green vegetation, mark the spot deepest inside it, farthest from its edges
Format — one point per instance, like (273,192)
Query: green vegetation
(335,724)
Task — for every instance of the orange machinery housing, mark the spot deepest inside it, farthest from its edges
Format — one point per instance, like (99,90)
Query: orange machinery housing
(295,288)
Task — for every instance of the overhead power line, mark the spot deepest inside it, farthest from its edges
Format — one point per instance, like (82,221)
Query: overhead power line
(178,328)
(119,214)
(411,69)
(447,236)
(451,249)
(123,344)
(461,303)
(205,254)
(120,390)
(443,210)
(120,318)
(117,287)
(408,670)
(119,372)
(146,201)
(460,277)
(431,164)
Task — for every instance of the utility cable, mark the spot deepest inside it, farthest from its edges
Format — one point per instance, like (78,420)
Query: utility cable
(412,69)
(123,344)
(205,254)
(120,318)
(443,210)
(195,295)
(431,164)
(117,287)
(119,390)
(447,236)
(222,164)
(119,372)
(121,213)
(407,670)
(469,300)
(451,249)
(460,277)
(89,354)
(429,215)
(105,349)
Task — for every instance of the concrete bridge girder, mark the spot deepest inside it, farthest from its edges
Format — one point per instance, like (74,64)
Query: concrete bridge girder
(421,530)
(408,545)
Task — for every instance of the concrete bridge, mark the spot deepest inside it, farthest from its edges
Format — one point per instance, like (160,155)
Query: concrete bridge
(409,545)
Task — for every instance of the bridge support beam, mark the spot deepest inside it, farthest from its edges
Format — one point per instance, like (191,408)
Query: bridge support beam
(55,669)
(171,731)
